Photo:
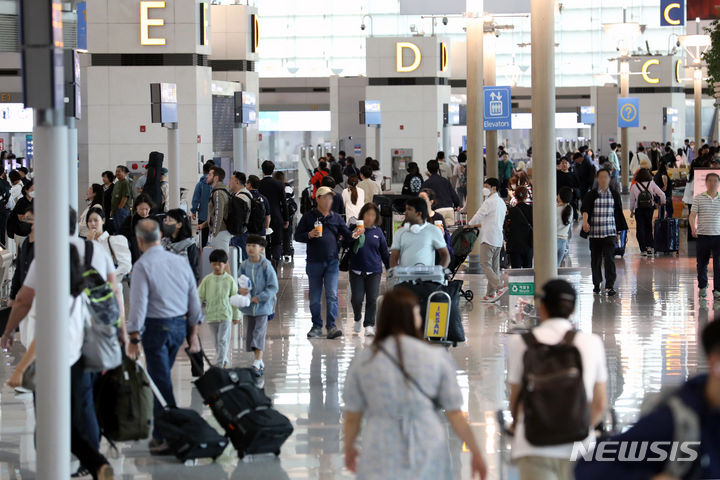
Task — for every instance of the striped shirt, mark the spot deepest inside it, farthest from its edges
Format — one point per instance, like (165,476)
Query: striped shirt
(707,209)
(602,223)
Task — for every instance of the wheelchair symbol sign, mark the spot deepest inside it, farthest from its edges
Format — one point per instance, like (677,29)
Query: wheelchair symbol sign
(628,112)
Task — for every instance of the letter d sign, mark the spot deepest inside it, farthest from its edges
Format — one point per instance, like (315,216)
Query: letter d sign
(401,67)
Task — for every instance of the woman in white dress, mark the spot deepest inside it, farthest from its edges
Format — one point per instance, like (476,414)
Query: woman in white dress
(115,245)
(354,199)
(399,384)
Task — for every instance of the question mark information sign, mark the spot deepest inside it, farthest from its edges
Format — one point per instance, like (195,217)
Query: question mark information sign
(628,112)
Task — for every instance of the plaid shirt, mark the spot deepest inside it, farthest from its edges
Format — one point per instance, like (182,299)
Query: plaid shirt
(602,223)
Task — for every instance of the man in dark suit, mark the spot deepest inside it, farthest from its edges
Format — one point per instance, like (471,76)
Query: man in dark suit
(279,218)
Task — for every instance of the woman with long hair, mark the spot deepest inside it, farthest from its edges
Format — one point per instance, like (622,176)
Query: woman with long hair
(143,207)
(178,238)
(93,197)
(518,230)
(399,384)
(354,199)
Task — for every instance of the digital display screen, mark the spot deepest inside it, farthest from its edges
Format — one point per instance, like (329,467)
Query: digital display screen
(372,112)
(14,117)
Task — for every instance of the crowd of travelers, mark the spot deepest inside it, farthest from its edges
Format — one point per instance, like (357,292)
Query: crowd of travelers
(172,281)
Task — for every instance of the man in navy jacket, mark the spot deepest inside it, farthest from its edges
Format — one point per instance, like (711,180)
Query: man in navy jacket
(201,200)
(696,406)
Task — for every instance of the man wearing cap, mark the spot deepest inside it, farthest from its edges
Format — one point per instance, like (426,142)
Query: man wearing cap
(555,306)
(321,229)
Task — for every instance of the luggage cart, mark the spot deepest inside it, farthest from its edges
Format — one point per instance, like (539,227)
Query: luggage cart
(437,318)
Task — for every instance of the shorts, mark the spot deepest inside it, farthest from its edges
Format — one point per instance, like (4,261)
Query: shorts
(221,241)
(255,331)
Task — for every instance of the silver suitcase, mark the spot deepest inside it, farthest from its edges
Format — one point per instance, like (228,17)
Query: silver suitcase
(422,273)
(206,269)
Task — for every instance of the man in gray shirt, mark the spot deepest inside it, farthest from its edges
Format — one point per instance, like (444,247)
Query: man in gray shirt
(164,308)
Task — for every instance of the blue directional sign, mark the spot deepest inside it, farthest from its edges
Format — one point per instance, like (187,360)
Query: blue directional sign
(628,112)
(672,13)
(498,109)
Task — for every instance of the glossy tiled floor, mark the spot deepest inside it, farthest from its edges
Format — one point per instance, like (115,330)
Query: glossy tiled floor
(649,330)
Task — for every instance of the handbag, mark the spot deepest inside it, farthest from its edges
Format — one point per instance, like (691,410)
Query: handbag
(435,401)
(101,348)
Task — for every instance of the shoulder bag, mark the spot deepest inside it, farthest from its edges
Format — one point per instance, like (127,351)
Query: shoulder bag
(435,401)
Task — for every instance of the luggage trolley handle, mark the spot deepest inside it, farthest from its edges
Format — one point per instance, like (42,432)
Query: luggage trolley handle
(153,387)
(436,295)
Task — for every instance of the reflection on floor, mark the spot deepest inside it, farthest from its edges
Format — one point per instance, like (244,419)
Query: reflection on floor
(650,332)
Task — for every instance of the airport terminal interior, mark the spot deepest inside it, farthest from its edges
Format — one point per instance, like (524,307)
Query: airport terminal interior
(555,112)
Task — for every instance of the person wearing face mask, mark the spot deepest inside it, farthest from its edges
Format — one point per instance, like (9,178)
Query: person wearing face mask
(178,238)
(143,208)
(116,246)
(16,227)
(93,197)
(490,218)
(25,254)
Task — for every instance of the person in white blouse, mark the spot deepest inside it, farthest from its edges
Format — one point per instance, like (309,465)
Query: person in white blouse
(115,245)
(354,199)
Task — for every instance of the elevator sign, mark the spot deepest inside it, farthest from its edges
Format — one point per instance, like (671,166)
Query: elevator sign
(498,109)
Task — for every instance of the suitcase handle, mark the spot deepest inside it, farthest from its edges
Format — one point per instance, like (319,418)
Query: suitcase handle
(153,387)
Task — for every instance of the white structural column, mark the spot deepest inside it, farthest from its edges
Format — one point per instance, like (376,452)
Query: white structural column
(73,163)
(697,90)
(239,148)
(378,143)
(53,288)
(625,154)
(489,73)
(475,173)
(173,135)
(542,13)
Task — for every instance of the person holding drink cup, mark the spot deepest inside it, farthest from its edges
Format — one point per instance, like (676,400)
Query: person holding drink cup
(369,250)
(321,229)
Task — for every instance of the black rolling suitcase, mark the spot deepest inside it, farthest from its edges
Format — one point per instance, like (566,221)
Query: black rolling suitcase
(666,234)
(187,434)
(244,411)
(384,204)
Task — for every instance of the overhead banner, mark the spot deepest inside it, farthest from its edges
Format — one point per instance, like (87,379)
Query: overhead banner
(628,108)
(672,13)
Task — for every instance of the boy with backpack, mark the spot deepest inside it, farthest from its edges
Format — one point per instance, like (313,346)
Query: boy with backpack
(215,291)
(557,379)
(263,290)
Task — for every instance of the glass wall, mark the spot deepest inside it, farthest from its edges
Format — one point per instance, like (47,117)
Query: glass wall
(323,37)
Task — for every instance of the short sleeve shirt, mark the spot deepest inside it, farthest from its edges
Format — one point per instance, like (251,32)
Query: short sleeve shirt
(594,364)
(122,189)
(101,262)
(418,248)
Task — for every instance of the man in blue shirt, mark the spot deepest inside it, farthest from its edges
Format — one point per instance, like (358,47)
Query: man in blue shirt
(201,200)
(321,229)
(695,406)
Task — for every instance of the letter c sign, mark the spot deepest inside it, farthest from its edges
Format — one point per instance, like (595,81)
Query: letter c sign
(400,65)
(672,13)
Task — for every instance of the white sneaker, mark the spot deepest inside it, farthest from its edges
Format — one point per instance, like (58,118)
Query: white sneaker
(370,331)
(357,328)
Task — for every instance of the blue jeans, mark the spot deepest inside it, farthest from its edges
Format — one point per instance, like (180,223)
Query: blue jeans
(708,246)
(161,341)
(119,217)
(240,241)
(321,274)
(562,249)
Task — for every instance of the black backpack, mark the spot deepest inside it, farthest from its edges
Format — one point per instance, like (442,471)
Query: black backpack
(553,393)
(237,212)
(645,198)
(256,219)
(4,194)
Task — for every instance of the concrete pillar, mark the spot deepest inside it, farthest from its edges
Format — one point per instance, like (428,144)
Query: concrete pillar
(624,156)
(542,34)
(475,174)
(239,149)
(53,287)
(173,134)
(489,74)
(697,90)
(73,163)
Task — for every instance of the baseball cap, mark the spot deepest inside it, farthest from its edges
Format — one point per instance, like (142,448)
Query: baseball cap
(324,191)
(556,291)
